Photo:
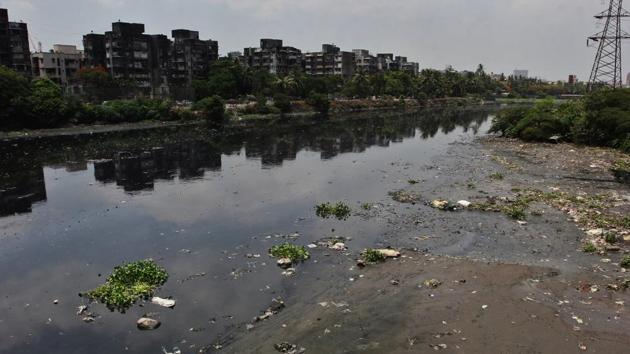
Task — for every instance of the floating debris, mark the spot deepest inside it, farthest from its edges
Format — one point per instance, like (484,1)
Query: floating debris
(432,283)
(276,306)
(169,303)
(148,324)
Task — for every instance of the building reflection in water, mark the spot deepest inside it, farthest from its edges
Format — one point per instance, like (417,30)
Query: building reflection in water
(145,160)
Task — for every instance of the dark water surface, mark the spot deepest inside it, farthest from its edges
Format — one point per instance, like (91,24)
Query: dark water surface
(198,203)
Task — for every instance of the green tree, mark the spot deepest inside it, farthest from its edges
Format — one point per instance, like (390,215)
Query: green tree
(319,102)
(212,108)
(13,87)
(358,86)
(226,78)
(282,102)
(47,107)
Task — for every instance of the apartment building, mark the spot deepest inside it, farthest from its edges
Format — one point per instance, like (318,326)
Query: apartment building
(273,57)
(154,63)
(404,65)
(364,61)
(60,65)
(128,54)
(191,57)
(94,51)
(15,50)
(330,61)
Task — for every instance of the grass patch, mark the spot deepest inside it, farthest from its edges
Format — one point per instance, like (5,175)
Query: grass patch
(516,212)
(625,262)
(287,250)
(497,176)
(412,181)
(372,256)
(326,210)
(589,248)
(367,206)
(128,283)
(611,238)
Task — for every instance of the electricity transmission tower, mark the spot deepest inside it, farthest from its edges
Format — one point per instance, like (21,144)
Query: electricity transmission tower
(607,67)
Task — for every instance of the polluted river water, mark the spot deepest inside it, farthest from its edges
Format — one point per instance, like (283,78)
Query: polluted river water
(206,206)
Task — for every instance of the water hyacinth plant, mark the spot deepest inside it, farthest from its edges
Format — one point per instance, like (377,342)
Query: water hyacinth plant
(326,210)
(128,283)
(293,252)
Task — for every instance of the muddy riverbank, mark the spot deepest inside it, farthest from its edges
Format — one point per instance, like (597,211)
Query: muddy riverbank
(516,287)
(207,206)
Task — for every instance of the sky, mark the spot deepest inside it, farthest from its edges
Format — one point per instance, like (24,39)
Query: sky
(546,37)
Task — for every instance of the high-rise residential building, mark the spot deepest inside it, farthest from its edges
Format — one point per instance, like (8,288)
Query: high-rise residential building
(5,47)
(364,61)
(408,66)
(128,54)
(191,57)
(330,61)
(572,79)
(15,50)
(273,57)
(521,74)
(160,54)
(154,63)
(628,80)
(94,50)
(60,65)
(385,62)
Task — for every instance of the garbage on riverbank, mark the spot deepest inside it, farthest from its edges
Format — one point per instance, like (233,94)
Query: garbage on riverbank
(405,197)
(374,256)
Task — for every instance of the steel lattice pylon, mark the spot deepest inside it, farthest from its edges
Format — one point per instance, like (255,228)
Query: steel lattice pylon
(607,66)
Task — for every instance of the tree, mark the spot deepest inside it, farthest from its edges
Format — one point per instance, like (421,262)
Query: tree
(282,102)
(47,106)
(98,85)
(226,78)
(319,102)
(13,86)
(212,108)
(358,86)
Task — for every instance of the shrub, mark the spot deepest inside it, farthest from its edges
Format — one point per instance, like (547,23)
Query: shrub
(625,262)
(45,107)
(319,102)
(282,102)
(607,121)
(539,123)
(287,250)
(212,109)
(128,283)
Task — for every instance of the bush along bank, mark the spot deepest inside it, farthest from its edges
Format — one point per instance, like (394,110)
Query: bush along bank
(601,118)
(42,104)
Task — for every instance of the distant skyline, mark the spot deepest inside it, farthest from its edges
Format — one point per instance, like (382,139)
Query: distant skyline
(548,38)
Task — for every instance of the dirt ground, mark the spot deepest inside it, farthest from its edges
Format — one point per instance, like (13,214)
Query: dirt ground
(478,308)
(505,286)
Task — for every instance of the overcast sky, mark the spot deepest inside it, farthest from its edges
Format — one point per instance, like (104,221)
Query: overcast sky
(547,37)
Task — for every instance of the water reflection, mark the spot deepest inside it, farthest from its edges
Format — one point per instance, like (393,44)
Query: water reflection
(134,161)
